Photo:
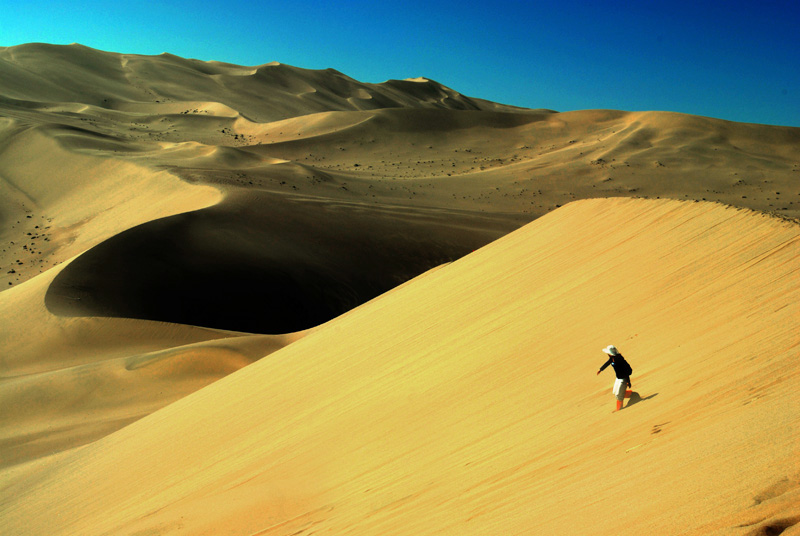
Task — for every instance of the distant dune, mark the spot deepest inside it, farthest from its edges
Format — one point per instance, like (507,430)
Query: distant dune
(167,222)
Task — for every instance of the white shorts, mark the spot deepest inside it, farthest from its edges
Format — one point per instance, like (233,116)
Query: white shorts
(619,389)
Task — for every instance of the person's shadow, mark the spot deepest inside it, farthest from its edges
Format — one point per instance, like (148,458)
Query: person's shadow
(635,398)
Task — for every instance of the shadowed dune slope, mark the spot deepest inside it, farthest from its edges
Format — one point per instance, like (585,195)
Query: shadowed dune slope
(262,263)
(466,401)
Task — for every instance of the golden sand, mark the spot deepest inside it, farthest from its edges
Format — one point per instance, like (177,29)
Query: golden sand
(141,195)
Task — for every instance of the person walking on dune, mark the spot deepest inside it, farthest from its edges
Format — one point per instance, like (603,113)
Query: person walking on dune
(623,371)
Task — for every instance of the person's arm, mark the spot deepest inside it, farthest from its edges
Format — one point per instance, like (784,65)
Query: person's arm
(607,363)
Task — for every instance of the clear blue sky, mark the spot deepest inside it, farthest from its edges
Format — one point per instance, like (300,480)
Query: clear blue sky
(736,60)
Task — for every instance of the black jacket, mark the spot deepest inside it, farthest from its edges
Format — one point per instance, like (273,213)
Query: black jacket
(621,367)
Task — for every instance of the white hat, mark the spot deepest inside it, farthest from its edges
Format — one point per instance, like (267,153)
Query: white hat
(611,350)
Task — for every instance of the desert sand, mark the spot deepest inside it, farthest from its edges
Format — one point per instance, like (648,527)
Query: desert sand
(272,300)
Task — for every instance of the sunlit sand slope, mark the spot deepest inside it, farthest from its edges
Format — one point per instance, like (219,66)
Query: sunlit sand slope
(466,401)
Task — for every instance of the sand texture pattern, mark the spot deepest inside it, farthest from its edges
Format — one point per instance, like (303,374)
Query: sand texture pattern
(272,300)
(467,402)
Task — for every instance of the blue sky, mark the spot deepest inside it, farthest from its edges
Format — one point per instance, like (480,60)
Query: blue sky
(735,60)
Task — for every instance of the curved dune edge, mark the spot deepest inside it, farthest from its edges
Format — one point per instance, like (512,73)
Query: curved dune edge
(466,401)
(64,381)
(61,203)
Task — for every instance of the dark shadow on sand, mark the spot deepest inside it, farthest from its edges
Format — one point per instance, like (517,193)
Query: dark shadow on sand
(636,398)
(264,263)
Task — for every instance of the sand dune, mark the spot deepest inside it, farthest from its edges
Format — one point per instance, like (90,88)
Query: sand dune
(166,222)
(466,401)
(74,73)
